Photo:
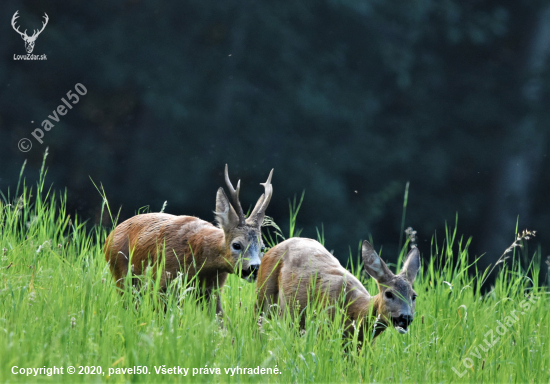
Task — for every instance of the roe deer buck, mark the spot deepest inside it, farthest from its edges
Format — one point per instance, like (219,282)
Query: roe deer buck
(295,267)
(191,245)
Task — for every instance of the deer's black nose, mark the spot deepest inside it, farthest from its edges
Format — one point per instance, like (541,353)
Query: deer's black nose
(405,319)
(254,270)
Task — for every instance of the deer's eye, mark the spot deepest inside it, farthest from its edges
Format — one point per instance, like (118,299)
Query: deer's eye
(389,295)
(414,297)
(236,246)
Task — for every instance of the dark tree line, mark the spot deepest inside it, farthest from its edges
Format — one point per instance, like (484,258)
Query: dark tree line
(348,100)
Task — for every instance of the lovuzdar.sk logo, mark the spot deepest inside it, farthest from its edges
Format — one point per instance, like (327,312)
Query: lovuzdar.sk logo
(29,40)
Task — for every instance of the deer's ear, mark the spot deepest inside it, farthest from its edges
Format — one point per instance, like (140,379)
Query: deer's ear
(373,264)
(411,265)
(226,216)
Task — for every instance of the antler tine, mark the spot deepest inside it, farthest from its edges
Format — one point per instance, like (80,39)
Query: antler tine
(268,187)
(13,19)
(235,196)
(44,23)
(259,212)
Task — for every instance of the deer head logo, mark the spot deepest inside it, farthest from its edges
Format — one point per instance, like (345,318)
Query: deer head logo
(29,40)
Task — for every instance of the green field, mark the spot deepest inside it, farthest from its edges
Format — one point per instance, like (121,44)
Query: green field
(59,307)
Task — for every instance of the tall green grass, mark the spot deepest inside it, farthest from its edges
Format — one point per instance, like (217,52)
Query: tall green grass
(60,307)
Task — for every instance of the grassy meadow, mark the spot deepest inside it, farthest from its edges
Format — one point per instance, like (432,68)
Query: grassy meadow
(59,307)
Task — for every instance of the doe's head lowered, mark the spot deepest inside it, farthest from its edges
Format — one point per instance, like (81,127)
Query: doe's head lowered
(397,297)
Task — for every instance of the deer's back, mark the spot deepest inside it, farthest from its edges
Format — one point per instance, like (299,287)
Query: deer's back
(146,235)
(297,266)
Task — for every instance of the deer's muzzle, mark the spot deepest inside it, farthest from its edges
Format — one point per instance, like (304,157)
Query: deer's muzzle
(402,323)
(251,273)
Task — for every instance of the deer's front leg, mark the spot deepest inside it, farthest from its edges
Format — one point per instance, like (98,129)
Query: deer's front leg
(219,309)
(209,295)
(213,291)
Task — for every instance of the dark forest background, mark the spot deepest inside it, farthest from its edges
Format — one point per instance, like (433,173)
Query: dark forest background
(347,100)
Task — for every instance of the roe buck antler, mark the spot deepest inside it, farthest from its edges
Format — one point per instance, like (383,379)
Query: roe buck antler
(235,196)
(299,271)
(29,40)
(191,245)
(258,213)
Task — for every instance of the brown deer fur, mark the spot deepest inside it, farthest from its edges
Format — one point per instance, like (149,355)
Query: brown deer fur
(191,245)
(295,267)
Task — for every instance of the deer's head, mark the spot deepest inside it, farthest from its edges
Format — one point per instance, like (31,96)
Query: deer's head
(396,298)
(29,40)
(243,236)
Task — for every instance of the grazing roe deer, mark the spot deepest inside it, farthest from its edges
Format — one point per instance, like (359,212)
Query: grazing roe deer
(295,267)
(191,245)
